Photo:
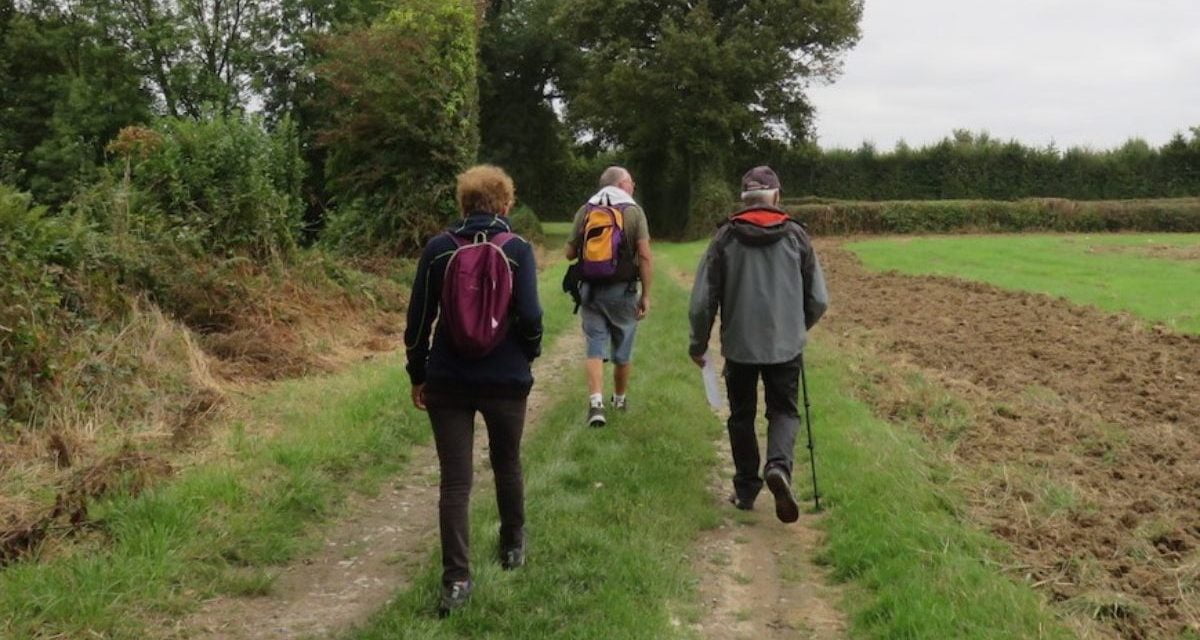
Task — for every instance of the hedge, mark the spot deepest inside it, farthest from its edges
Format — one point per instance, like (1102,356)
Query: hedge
(1040,214)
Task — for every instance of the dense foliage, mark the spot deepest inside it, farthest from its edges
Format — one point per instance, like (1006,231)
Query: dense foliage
(403,107)
(1034,214)
(37,255)
(970,165)
(219,186)
(683,86)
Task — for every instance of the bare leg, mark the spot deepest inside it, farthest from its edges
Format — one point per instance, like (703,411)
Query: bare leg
(595,375)
(621,377)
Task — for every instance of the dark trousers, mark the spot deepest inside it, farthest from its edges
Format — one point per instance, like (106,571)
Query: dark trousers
(781,384)
(453,418)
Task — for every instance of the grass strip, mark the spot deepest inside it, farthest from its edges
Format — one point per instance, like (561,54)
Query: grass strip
(1112,272)
(896,533)
(611,512)
(219,526)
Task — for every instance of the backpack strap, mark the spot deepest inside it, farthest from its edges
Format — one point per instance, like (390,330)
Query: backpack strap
(502,238)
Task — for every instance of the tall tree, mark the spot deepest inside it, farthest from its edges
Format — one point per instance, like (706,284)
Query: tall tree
(403,103)
(68,88)
(201,56)
(520,58)
(682,84)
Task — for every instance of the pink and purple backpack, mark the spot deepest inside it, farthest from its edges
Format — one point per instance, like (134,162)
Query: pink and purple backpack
(477,294)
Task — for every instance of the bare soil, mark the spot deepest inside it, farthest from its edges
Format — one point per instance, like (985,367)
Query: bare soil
(1081,436)
(369,554)
(1169,252)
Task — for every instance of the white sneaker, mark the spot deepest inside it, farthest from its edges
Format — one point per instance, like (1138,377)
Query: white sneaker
(619,403)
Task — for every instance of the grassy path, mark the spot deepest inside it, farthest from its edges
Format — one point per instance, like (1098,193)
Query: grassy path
(235,514)
(621,521)
(369,551)
(896,532)
(612,513)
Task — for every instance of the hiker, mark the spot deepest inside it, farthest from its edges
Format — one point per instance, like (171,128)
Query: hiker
(612,241)
(761,275)
(479,362)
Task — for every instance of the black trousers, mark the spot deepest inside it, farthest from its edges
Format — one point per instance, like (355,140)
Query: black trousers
(453,419)
(781,386)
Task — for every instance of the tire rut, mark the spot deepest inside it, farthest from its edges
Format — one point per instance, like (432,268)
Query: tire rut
(370,553)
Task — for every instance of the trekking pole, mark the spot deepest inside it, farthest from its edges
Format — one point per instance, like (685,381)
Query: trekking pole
(812,455)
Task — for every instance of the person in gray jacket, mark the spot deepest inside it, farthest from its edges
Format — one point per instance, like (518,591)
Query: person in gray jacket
(761,275)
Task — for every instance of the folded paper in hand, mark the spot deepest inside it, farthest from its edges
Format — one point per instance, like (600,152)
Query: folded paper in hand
(711,390)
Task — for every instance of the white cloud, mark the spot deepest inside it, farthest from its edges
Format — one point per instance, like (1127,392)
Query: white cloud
(1076,72)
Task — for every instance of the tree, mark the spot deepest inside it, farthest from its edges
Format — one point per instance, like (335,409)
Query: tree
(68,88)
(520,56)
(402,97)
(683,85)
(201,56)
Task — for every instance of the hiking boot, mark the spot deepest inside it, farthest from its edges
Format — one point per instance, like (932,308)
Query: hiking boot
(596,416)
(512,557)
(786,508)
(743,505)
(454,596)
(620,404)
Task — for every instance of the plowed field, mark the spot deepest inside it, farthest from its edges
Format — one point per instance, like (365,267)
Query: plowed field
(1081,444)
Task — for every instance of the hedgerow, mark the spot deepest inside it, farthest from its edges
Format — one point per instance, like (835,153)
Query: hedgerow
(1040,214)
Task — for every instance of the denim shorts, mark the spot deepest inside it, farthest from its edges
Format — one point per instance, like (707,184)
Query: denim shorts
(609,313)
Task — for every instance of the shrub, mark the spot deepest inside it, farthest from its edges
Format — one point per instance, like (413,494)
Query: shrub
(526,223)
(1043,214)
(36,254)
(712,201)
(402,97)
(222,185)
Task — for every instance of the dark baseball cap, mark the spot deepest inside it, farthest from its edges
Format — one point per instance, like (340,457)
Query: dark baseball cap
(761,178)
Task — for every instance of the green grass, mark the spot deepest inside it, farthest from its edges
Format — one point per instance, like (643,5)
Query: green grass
(918,569)
(194,535)
(1112,272)
(218,526)
(612,513)
(556,228)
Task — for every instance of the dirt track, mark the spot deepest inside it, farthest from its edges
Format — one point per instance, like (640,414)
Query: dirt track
(370,553)
(1083,448)
(758,577)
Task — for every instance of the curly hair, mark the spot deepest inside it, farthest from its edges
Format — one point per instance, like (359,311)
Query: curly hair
(485,187)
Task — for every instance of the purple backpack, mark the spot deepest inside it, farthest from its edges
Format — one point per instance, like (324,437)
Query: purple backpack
(605,254)
(477,292)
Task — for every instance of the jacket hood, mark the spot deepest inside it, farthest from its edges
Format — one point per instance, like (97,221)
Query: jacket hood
(478,221)
(759,225)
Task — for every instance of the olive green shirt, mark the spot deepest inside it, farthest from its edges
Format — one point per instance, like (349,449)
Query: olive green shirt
(635,227)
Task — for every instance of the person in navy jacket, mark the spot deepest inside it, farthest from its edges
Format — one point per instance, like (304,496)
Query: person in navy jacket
(453,388)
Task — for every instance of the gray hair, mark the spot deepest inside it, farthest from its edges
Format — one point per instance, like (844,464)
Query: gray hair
(613,175)
(760,196)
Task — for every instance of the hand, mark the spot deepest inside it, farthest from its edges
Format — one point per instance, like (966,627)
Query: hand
(699,360)
(418,396)
(643,307)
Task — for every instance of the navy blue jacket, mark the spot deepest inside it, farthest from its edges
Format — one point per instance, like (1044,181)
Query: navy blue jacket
(505,371)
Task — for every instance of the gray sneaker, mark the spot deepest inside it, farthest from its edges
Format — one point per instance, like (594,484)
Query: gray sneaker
(620,404)
(454,596)
(596,416)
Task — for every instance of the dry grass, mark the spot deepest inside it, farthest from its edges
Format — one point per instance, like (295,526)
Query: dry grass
(143,392)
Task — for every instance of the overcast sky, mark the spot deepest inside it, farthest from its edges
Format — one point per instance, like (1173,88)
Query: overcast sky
(1076,72)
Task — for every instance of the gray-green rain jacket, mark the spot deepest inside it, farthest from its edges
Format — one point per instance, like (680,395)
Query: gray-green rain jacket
(761,274)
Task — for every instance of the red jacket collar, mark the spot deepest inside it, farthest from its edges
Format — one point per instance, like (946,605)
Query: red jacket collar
(761,217)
